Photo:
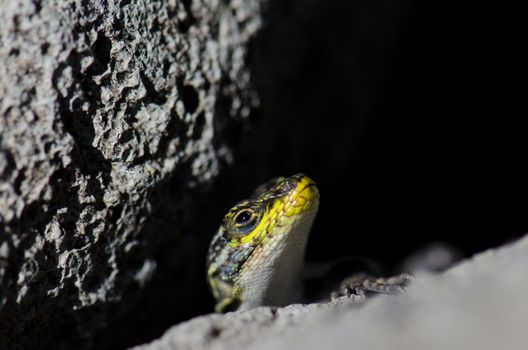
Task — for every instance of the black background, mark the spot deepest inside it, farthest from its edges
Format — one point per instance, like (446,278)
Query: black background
(410,116)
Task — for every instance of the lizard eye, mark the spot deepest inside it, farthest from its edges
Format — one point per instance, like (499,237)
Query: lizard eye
(244,221)
(245,217)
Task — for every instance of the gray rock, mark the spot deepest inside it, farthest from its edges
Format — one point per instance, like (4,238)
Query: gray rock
(482,303)
(106,121)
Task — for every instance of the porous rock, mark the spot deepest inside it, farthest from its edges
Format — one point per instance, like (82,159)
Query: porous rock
(481,303)
(110,112)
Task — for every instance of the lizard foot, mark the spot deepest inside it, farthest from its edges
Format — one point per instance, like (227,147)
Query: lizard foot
(359,286)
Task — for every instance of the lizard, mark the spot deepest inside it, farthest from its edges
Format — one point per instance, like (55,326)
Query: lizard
(257,255)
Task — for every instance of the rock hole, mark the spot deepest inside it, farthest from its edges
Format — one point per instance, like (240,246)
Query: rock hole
(199,125)
(38,5)
(126,136)
(101,50)
(189,97)
(215,332)
(124,3)
(189,19)
(166,68)
(44,48)
(153,94)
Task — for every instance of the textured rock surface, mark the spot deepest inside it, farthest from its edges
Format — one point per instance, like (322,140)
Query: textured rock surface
(481,303)
(106,120)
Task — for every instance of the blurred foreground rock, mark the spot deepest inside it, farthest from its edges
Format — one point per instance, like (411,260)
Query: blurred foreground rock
(482,303)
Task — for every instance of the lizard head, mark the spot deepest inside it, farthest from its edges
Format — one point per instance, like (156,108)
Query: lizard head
(261,242)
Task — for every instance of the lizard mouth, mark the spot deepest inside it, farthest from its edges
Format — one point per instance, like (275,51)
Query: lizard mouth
(298,195)
(303,197)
